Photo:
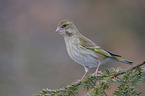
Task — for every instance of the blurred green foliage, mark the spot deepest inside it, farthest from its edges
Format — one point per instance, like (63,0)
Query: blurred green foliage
(125,80)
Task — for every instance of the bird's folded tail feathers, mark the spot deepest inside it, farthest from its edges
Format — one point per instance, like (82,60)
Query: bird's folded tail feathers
(122,60)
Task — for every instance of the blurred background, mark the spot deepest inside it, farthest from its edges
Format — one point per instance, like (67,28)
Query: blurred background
(33,56)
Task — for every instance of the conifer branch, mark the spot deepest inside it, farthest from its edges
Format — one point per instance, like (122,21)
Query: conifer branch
(126,80)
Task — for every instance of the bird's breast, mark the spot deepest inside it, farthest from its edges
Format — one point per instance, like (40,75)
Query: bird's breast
(81,55)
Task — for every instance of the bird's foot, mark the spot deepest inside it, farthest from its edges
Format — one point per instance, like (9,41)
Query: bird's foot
(95,73)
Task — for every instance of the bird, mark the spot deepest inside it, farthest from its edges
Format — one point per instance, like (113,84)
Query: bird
(84,51)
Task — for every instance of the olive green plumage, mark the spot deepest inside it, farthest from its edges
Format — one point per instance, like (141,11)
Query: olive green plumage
(82,50)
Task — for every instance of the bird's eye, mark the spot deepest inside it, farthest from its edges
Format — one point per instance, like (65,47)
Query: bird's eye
(64,25)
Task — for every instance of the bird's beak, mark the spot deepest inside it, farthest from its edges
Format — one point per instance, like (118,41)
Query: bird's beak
(57,30)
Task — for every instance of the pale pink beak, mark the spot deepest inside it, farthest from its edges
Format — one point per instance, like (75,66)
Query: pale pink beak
(57,30)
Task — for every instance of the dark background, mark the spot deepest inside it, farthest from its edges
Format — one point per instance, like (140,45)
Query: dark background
(33,56)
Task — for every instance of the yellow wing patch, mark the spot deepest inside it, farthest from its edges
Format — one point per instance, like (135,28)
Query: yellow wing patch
(101,51)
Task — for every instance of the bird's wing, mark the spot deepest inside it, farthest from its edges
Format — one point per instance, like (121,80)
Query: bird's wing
(88,44)
(100,51)
(85,42)
(114,54)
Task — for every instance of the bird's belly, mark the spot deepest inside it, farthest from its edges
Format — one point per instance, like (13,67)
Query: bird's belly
(83,57)
(86,61)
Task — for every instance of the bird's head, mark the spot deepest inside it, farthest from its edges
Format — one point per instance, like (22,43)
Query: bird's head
(66,28)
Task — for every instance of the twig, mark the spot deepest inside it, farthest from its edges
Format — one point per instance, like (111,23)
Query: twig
(131,69)
(75,85)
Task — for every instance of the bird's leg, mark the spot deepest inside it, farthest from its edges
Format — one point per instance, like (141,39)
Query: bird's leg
(84,76)
(86,71)
(95,73)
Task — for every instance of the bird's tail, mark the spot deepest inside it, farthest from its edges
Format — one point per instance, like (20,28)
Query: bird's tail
(122,60)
